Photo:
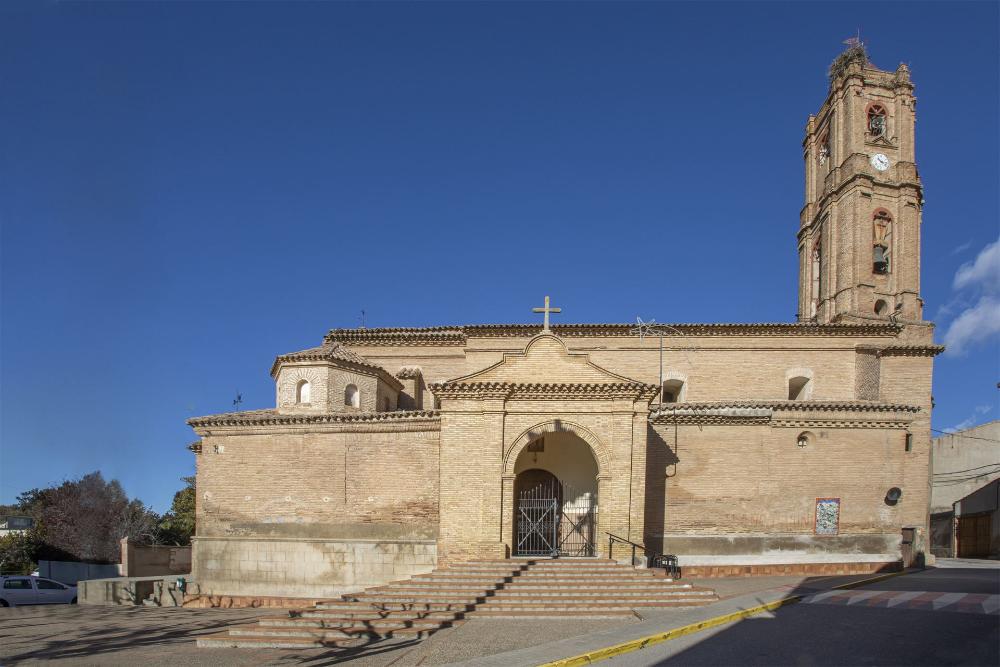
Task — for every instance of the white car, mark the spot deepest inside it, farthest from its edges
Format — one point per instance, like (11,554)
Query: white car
(18,590)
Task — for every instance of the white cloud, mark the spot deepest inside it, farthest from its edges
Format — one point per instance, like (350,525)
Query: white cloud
(962,248)
(971,421)
(979,319)
(975,324)
(983,272)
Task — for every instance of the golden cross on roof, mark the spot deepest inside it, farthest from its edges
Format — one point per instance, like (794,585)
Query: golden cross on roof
(546,310)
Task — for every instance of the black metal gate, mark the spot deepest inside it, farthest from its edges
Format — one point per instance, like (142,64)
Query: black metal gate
(548,527)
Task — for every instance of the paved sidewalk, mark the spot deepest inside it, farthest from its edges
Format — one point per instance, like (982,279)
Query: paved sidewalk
(743,593)
(88,635)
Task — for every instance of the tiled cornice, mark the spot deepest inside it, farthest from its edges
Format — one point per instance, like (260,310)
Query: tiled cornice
(544,391)
(273,418)
(458,335)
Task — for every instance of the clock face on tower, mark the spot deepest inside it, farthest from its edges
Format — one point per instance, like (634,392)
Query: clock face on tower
(880,161)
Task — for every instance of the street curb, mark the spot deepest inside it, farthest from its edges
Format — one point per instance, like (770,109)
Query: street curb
(597,655)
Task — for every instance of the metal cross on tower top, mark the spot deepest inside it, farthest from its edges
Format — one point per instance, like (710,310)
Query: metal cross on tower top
(546,310)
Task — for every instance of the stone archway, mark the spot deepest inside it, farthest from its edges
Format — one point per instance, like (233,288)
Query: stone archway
(575,457)
(597,448)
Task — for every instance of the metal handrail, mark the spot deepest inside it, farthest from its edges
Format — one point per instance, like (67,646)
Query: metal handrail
(614,538)
(671,561)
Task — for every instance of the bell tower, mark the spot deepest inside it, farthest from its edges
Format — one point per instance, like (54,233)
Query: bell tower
(859,231)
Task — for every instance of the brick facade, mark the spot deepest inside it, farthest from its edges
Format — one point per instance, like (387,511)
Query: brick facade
(314,497)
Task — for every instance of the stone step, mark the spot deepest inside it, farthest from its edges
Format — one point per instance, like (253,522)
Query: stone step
(327,634)
(434,594)
(546,612)
(395,606)
(601,593)
(529,585)
(367,614)
(585,607)
(594,599)
(354,624)
(613,575)
(225,640)
(495,567)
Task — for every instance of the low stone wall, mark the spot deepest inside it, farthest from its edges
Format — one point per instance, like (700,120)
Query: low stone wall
(256,567)
(159,591)
(153,560)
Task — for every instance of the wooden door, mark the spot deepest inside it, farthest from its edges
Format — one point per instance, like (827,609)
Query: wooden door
(974,536)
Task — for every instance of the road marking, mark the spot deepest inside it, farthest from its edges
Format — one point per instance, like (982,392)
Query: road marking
(968,603)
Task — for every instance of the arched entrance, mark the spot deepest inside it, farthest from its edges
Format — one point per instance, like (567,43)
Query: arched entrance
(555,497)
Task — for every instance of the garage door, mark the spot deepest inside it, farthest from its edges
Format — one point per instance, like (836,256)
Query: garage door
(974,536)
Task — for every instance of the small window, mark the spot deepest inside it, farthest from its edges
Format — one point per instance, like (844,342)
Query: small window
(45,584)
(303,391)
(881,308)
(352,398)
(673,391)
(798,388)
(18,584)
(386,404)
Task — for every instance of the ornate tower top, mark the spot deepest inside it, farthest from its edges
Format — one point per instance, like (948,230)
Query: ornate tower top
(859,233)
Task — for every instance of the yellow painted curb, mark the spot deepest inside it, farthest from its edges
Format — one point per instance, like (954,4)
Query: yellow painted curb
(591,657)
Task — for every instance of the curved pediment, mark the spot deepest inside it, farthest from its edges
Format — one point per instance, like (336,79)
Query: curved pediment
(545,360)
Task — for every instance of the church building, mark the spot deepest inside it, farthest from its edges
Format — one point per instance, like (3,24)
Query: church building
(392,451)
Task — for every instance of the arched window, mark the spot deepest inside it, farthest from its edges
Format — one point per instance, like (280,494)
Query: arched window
(876,120)
(303,392)
(799,388)
(881,241)
(673,391)
(824,149)
(352,397)
(386,404)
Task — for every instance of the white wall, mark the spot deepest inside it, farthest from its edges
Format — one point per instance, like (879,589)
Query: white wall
(963,462)
(568,458)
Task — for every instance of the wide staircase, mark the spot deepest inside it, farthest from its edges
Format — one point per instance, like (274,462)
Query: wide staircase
(421,605)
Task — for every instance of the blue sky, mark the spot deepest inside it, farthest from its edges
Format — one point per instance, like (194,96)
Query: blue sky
(189,189)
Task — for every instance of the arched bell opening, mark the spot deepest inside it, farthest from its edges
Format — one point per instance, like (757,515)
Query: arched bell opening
(555,497)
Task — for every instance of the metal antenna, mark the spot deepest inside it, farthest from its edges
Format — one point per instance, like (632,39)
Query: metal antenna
(238,400)
(362,318)
(653,328)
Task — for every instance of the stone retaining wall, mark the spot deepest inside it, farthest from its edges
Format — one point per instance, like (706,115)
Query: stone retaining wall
(304,568)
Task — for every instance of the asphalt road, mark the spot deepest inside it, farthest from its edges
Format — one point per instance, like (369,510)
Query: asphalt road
(846,634)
